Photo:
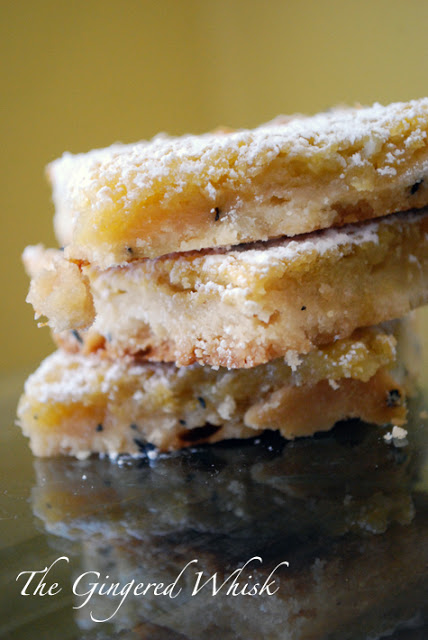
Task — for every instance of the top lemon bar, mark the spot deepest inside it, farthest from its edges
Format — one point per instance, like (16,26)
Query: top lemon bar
(290,176)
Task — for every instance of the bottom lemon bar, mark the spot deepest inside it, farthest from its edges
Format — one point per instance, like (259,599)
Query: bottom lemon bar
(78,404)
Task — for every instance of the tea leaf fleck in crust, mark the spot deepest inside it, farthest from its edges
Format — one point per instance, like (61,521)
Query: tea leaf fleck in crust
(393,398)
(414,188)
(77,336)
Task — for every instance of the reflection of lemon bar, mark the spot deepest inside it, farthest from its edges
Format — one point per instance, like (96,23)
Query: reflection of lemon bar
(314,503)
(242,307)
(76,404)
(339,588)
(291,176)
(346,480)
(128,534)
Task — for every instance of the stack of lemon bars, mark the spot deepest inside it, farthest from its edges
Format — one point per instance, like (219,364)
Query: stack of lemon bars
(211,287)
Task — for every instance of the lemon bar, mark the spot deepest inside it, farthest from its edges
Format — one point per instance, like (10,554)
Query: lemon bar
(242,307)
(79,404)
(290,176)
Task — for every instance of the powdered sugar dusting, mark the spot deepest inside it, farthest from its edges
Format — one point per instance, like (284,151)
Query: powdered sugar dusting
(73,377)
(320,242)
(238,155)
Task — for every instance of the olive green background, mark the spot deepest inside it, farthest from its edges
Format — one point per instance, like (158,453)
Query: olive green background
(81,74)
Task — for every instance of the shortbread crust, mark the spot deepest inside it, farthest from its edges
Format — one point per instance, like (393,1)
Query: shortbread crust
(287,177)
(78,404)
(243,307)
